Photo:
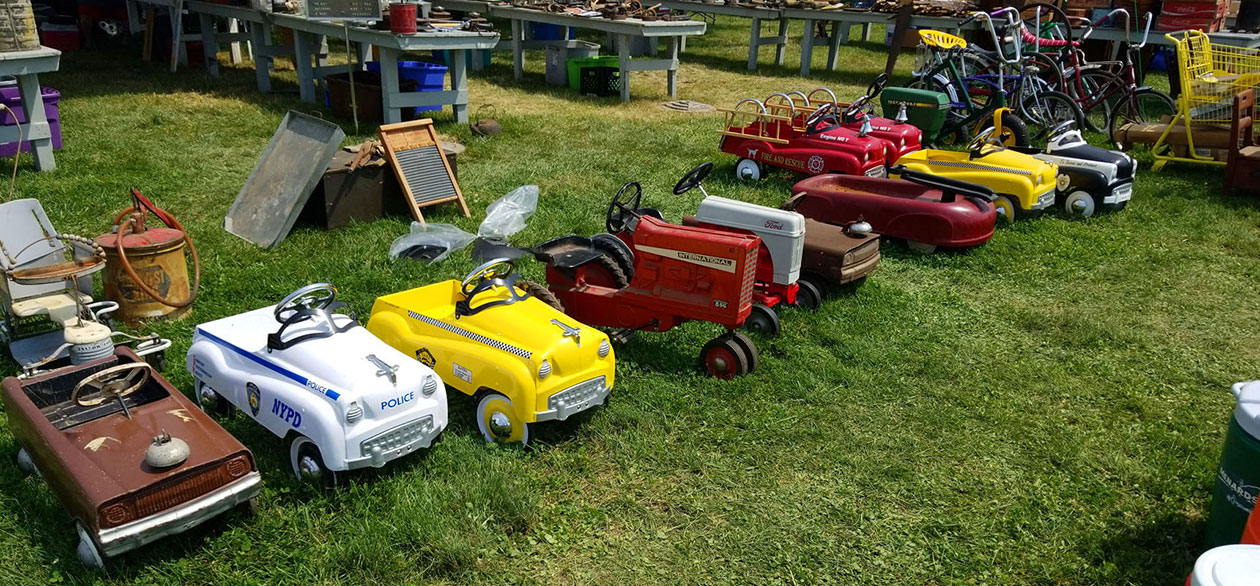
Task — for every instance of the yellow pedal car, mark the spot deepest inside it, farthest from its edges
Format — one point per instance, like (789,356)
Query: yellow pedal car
(499,339)
(1025,186)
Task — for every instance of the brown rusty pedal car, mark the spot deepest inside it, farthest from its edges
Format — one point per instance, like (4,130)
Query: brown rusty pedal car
(129,457)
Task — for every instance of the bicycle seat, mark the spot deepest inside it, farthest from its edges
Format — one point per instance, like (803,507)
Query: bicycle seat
(941,40)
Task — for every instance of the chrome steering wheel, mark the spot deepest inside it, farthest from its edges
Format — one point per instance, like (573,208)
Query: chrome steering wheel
(499,268)
(111,383)
(313,296)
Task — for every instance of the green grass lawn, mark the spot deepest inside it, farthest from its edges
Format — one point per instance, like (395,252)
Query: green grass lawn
(1045,409)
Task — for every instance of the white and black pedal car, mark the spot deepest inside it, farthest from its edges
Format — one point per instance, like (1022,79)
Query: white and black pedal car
(340,397)
(1090,178)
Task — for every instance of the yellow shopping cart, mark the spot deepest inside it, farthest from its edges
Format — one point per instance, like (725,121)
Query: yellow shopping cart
(1211,75)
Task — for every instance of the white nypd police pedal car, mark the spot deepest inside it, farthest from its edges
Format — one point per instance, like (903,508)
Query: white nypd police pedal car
(340,397)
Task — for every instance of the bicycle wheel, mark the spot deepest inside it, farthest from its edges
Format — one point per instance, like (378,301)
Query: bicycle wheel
(1144,105)
(1096,111)
(1044,110)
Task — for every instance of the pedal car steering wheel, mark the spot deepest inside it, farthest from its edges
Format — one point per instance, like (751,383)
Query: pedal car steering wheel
(977,144)
(877,86)
(112,383)
(814,124)
(624,203)
(499,272)
(693,178)
(313,296)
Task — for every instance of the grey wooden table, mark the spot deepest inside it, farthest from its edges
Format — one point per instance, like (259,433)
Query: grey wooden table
(621,30)
(308,36)
(26,67)
(758,16)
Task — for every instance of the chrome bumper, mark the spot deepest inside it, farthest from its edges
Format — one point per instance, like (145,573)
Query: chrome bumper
(122,539)
(1045,200)
(395,443)
(584,399)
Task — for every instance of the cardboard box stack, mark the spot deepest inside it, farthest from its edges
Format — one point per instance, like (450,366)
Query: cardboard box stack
(1203,15)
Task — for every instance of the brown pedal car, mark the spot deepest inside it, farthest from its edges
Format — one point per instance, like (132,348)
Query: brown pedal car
(824,243)
(129,457)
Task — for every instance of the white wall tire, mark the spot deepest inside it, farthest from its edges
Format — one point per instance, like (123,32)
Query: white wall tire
(747,170)
(498,422)
(1080,203)
(1005,208)
(308,463)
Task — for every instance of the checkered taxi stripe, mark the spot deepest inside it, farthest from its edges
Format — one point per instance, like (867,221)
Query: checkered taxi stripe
(470,335)
(980,167)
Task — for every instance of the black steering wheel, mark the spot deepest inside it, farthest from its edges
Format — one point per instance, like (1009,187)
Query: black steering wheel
(877,86)
(814,124)
(693,178)
(315,301)
(313,296)
(495,273)
(624,204)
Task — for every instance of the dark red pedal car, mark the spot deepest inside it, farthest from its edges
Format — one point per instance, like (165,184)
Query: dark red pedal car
(926,211)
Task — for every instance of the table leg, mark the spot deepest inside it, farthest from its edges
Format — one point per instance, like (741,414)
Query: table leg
(321,57)
(781,43)
(459,85)
(133,18)
(623,63)
(303,47)
(36,119)
(364,54)
(260,33)
(671,76)
(754,42)
(389,84)
(866,32)
(807,47)
(518,47)
(839,32)
(210,41)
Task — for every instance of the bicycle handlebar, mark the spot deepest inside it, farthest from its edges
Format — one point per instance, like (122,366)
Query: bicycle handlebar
(997,43)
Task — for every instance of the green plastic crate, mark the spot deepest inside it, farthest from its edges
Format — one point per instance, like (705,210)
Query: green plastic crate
(577,64)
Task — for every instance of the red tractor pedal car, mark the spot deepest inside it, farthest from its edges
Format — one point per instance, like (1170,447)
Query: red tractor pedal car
(669,275)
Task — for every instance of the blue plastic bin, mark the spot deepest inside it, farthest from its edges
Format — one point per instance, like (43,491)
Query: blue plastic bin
(428,77)
(540,31)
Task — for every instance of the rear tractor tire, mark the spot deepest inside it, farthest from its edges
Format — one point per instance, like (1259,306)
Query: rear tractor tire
(541,293)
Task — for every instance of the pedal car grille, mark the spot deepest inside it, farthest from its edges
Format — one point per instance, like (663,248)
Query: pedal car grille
(750,273)
(398,437)
(577,394)
(180,491)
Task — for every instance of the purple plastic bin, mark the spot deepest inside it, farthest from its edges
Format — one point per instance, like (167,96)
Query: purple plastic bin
(12,98)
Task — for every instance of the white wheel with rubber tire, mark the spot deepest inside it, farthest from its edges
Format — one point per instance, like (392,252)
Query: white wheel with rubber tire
(25,463)
(308,464)
(1080,203)
(748,170)
(498,422)
(1005,207)
(87,551)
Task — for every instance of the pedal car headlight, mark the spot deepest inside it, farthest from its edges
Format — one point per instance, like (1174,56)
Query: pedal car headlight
(604,348)
(429,386)
(354,413)
(544,370)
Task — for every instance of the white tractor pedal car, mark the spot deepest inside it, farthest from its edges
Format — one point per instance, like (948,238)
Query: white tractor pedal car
(339,396)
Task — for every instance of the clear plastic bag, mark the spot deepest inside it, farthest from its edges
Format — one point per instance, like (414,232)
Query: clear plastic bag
(507,215)
(431,242)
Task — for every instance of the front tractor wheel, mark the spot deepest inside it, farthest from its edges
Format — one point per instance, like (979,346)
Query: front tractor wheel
(725,358)
(748,170)
(808,296)
(762,320)
(498,421)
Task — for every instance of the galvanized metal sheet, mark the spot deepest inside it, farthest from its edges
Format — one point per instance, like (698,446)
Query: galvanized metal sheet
(278,187)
